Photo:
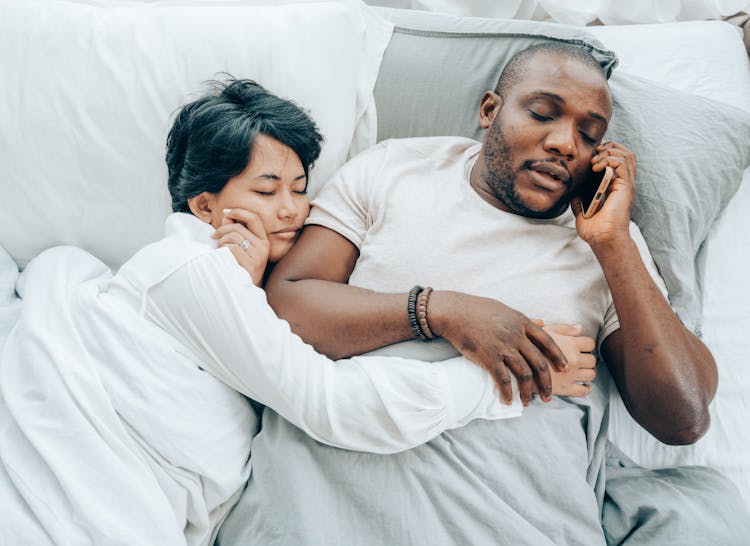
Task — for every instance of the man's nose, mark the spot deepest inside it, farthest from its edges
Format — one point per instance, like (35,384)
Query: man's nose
(561,141)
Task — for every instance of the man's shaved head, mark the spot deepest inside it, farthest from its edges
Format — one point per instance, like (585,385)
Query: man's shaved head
(516,67)
(544,121)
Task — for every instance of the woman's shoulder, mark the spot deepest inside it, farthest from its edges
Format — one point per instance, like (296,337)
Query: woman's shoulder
(186,238)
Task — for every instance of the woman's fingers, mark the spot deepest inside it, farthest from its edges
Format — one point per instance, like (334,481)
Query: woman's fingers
(585,344)
(236,238)
(249,219)
(576,389)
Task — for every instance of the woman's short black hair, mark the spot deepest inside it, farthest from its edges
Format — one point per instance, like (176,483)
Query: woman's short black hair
(211,139)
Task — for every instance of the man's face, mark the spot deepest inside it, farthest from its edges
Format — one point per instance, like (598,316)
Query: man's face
(540,139)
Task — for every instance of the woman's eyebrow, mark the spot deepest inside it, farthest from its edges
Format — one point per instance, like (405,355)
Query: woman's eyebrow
(272,176)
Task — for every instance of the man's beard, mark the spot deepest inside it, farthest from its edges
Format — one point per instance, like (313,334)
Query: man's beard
(501,179)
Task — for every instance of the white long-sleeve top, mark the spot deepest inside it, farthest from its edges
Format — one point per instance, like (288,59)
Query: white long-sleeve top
(135,384)
(209,305)
(213,338)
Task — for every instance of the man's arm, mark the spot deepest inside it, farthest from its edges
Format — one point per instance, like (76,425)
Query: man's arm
(307,288)
(665,375)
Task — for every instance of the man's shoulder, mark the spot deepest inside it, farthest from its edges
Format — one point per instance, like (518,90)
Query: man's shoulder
(430,148)
(396,151)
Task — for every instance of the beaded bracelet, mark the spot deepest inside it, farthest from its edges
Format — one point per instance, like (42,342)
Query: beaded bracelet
(422,298)
(411,310)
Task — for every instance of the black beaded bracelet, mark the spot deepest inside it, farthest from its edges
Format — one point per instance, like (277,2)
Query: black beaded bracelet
(412,313)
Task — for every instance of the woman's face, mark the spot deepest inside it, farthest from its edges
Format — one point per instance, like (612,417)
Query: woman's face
(273,186)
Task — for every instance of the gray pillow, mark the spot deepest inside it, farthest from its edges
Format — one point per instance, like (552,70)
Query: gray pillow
(691,151)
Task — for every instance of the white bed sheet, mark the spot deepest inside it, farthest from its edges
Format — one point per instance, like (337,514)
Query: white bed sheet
(708,59)
(10,305)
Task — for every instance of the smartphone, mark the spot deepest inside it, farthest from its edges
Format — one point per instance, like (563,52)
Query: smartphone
(593,199)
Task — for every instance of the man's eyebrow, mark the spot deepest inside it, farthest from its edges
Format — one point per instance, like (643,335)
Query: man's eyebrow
(557,98)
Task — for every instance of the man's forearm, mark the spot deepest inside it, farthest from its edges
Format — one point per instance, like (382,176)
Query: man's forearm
(309,289)
(341,320)
(666,376)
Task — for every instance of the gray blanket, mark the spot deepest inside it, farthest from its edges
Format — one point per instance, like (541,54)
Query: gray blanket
(537,480)
(533,480)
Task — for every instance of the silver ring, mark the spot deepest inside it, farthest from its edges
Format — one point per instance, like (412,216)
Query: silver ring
(244,245)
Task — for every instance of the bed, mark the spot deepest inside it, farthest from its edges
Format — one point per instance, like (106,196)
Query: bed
(90,87)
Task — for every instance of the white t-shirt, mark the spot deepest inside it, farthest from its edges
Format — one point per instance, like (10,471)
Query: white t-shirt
(408,207)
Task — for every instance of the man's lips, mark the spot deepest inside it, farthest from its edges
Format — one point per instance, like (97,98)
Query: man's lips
(549,176)
(553,170)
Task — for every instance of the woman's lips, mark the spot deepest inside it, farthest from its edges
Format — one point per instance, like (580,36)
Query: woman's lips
(289,233)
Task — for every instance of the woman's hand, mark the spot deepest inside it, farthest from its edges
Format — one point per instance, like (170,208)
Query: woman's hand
(612,222)
(578,349)
(243,233)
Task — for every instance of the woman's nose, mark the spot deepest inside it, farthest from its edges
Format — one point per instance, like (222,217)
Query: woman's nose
(286,207)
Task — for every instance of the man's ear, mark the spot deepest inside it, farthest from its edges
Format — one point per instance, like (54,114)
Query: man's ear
(488,108)
(202,206)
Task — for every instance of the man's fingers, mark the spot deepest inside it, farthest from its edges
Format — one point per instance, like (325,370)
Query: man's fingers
(610,145)
(612,161)
(524,376)
(540,368)
(547,346)
(501,376)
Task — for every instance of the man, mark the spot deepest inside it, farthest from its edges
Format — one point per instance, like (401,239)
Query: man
(485,224)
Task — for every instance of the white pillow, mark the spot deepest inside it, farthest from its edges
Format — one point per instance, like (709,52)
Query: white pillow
(706,58)
(89,91)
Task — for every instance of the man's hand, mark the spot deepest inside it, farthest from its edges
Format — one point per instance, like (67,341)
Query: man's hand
(243,232)
(612,221)
(499,339)
(578,349)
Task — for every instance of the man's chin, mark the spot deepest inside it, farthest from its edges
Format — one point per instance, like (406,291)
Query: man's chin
(544,210)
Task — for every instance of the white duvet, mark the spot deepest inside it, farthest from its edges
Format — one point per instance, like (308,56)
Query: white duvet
(73,471)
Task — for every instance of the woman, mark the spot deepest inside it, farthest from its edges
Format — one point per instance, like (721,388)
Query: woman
(149,372)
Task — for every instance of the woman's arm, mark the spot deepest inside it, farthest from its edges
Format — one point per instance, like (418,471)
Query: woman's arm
(375,404)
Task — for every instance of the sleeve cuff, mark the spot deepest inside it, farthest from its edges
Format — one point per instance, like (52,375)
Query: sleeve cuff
(471,394)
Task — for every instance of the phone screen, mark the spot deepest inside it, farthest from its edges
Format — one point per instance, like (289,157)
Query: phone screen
(594,191)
